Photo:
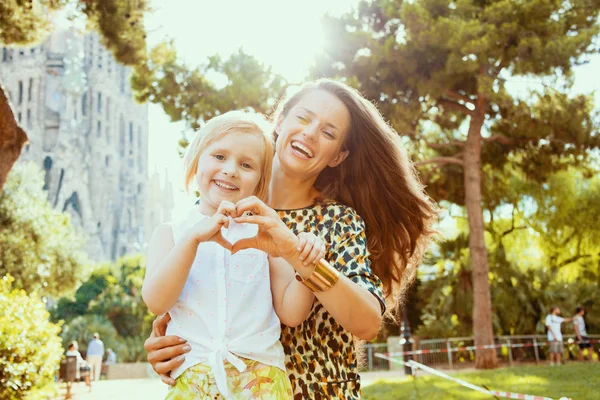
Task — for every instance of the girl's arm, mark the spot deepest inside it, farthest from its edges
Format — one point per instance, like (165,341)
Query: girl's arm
(291,299)
(168,265)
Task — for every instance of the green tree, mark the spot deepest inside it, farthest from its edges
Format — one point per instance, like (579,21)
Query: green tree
(30,349)
(40,247)
(438,71)
(22,23)
(109,303)
(186,94)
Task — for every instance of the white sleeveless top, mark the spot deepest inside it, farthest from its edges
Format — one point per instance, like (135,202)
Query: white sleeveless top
(225,309)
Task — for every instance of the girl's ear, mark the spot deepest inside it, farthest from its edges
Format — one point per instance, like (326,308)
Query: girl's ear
(337,160)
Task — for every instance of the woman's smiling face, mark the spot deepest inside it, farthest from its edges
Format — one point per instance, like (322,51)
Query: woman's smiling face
(311,135)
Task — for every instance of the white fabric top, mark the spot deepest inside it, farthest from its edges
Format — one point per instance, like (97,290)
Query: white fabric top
(225,309)
(579,321)
(554,321)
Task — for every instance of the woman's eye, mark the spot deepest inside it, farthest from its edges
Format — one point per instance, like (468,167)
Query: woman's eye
(219,157)
(301,118)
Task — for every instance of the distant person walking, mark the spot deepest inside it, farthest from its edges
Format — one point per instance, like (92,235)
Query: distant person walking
(95,352)
(581,333)
(555,338)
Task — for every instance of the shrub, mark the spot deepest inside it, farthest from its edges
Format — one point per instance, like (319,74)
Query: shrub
(30,349)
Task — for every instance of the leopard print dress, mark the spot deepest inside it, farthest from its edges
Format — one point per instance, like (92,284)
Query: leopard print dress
(321,358)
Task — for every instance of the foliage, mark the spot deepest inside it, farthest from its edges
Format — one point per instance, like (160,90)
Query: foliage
(187,94)
(543,251)
(40,247)
(109,303)
(82,328)
(577,381)
(30,349)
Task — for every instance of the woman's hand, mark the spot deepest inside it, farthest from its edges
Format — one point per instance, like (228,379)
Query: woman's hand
(165,353)
(274,237)
(209,229)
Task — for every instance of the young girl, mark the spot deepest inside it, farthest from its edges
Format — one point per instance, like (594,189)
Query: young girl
(227,306)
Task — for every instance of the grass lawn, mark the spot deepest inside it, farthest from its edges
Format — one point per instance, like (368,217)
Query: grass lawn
(579,381)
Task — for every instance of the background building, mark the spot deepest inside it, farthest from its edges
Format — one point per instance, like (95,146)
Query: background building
(90,136)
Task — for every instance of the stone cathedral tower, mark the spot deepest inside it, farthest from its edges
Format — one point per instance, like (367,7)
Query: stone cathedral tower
(88,134)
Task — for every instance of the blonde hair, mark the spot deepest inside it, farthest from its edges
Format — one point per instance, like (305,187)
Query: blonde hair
(221,125)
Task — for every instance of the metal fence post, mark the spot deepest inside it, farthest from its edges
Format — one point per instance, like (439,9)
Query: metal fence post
(510,358)
(449,353)
(535,350)
(370,356)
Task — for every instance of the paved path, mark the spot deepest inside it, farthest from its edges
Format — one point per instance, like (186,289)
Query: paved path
(154,389)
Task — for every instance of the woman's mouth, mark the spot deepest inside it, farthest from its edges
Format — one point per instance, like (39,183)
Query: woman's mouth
(302,150)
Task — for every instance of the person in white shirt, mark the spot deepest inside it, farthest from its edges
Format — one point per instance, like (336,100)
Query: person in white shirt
(94,354)
(581,333)
(555,339)
(73,351)
(229,306)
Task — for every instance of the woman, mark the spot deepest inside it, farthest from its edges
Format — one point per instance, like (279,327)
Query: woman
(336,159)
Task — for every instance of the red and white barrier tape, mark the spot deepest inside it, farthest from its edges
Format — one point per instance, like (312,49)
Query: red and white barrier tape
(467,348)
(506,395)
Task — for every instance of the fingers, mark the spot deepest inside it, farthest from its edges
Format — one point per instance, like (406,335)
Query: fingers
(305,245)
(153,343)
(254,205)
(245,243)
(222,241)
(227,209)
(167,379)
(252,219)
(316,254)
(159,325)
(311,248)
(165,359)
(164,368)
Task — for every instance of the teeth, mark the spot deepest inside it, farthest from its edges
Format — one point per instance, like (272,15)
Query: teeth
(224,185)
(303,148)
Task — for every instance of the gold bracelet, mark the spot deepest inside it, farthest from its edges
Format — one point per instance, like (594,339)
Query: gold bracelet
(323,277)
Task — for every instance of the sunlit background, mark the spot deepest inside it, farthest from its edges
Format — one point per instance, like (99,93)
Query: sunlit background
(286,35)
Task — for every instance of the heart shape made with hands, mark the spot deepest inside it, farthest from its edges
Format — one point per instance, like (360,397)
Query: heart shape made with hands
(237,231)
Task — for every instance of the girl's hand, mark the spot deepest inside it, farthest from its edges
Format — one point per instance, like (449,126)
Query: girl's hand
(310,248)
(209,229)
(274,237)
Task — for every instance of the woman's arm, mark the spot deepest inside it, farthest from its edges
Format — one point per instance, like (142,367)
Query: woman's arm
(352,306)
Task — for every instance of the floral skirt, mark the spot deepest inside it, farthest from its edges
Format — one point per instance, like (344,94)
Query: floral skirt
(258,381)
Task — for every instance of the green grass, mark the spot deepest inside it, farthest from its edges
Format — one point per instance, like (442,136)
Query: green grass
(574,380)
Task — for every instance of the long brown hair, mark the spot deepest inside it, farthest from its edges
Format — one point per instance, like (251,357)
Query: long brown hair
(380,183)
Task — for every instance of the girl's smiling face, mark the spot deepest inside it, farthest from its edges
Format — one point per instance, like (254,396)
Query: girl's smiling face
(229,169)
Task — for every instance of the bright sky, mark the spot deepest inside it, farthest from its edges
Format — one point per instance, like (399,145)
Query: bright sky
(283,34)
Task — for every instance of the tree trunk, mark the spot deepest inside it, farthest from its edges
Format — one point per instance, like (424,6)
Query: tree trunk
(12,137)
(482,304)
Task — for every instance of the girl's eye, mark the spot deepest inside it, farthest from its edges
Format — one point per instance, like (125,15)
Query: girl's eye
(220,157)
(246,165)
(329,134)
(301,118)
